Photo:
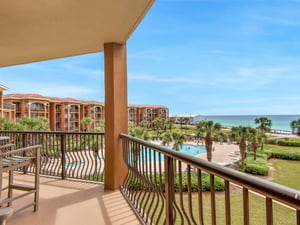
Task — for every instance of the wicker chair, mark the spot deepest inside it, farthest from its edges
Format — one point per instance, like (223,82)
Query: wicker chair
(19,159)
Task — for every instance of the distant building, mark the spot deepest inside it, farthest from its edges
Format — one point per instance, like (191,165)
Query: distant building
(192,118)
(65,114)
(6,110)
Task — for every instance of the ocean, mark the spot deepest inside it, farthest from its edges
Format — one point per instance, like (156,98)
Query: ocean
(279,122)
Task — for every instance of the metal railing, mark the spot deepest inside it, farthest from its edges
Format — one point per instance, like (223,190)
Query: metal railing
(8,106)
(164,186)
(78,155)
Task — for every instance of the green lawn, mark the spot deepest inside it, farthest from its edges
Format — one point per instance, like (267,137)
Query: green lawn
(287,173)
(257,214)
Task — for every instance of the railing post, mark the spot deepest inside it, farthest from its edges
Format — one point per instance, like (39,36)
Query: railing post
(169,189)
(24,140)
(25,143)
(63,155)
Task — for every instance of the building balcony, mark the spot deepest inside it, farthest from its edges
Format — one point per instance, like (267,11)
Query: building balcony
(8,106)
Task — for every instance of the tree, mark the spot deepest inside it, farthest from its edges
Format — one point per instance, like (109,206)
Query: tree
(253,141)
(209,128)
(170,123)
(264,124)
(101,125)
(177,140)
(144,123)
(6,124)
(181,121)
(242,133)
(295,125)
(34,124)
(86,122)
(139,132)
(157,124)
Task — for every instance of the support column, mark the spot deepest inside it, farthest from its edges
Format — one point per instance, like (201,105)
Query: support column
(116,117)
(2,107)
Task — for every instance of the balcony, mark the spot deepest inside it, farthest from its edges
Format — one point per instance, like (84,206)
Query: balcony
(69,202)
(158,186)
(8,106)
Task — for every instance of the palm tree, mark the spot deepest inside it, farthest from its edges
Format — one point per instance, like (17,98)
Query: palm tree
(177,139)
(253,141)
(170,123)
(210,129)
(186,121)
(101,125)
(157,124)
(139,132)
(242,133)
(295,124)
(181,120)
(264,124)
(86,121)
(144,123)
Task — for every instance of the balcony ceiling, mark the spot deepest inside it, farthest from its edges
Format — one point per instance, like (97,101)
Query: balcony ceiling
(33,30)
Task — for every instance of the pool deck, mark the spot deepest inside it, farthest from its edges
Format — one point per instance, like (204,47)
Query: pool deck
(223,153)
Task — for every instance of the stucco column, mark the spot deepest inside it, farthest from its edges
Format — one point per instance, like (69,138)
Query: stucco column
(116,116)
(2,108)
(29,109)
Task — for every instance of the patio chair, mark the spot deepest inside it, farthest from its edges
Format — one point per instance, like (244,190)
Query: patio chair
(19,159)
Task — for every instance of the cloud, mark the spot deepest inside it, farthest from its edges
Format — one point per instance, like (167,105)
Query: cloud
(277,20)
(175,79)
(52,89)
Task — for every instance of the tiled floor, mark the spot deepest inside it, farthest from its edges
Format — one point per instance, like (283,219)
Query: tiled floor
(64,202)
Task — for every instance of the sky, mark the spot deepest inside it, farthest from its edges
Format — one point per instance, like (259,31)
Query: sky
(208,57)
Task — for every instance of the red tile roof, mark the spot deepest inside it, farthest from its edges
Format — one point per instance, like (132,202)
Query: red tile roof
(56,99)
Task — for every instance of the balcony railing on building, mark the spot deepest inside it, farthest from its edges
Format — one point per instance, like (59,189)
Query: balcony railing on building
(8,106)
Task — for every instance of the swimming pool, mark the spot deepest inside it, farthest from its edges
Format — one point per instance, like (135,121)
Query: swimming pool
(190,149)
(151,155)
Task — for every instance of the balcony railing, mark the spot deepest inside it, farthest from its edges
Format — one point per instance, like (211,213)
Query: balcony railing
(77,155)
(8,106)
(166,187)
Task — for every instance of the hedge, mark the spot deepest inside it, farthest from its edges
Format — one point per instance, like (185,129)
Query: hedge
(280,142)
(259,166)
(137,184)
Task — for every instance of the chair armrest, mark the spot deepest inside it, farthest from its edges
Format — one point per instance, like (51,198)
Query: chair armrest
(34,147)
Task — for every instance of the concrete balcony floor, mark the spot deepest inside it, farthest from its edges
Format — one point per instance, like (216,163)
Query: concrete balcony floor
(68,202)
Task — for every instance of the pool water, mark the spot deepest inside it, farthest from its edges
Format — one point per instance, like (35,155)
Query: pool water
(150,155)
(191,149)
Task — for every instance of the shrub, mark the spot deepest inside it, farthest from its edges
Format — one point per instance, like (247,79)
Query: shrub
(288,154)
(290,142)
(259,166)
(137,184)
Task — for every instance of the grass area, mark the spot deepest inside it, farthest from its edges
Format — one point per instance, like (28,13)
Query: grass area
(257,214)
(287,173)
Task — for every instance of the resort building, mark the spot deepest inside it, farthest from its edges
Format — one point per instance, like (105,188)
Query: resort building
(6,110)
(65,114)
(191,119)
